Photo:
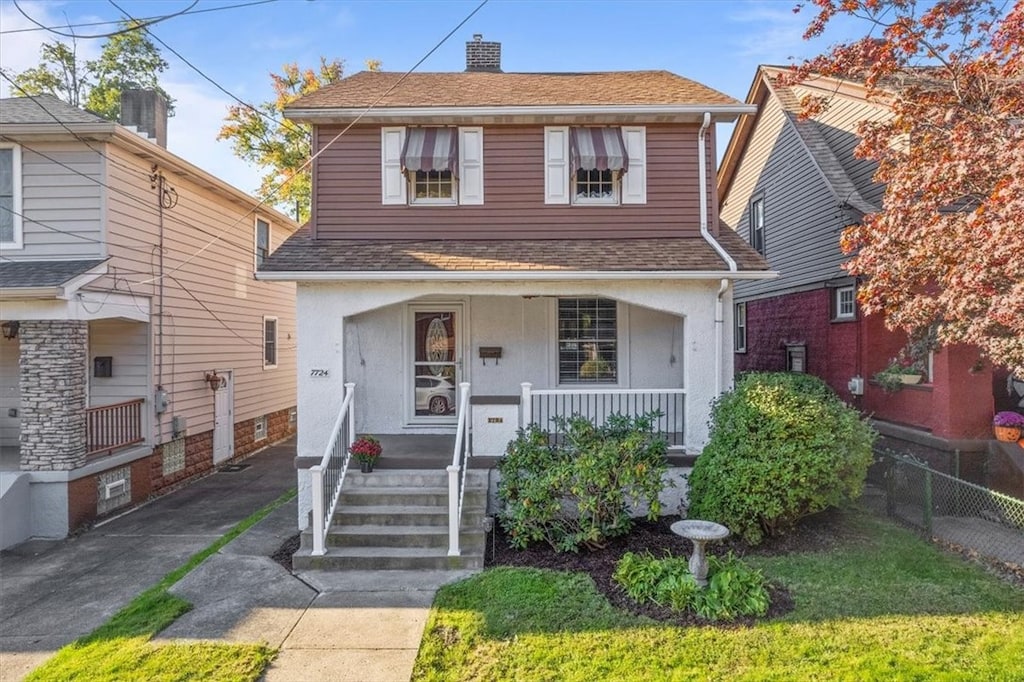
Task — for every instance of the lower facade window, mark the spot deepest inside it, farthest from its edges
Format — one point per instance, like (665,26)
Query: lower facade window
(588,341)
(259,428)
(846,303)
(740,328)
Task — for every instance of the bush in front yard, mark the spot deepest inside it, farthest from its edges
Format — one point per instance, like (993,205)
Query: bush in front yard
(575,492)
(782,446)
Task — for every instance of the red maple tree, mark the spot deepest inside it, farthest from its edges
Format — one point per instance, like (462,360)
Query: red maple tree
(947,248)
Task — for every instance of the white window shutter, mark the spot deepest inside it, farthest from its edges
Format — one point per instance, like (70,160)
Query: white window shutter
(392,181)
(556,165)
(471,165)
(634,181)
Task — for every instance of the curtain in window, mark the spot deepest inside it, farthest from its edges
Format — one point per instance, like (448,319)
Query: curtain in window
(431,149)
(598,149)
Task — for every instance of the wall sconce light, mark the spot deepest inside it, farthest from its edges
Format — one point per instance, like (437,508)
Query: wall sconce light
(215,380)
(10,329)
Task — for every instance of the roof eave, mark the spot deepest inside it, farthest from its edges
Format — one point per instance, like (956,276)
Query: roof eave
(506,275)
(724,113)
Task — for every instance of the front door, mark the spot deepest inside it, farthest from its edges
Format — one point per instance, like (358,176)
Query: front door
(436,363)
(223,418)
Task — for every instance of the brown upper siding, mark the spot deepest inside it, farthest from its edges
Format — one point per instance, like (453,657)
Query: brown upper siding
(348,192)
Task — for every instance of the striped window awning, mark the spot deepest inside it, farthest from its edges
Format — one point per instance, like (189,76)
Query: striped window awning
(598,149)
(431,149)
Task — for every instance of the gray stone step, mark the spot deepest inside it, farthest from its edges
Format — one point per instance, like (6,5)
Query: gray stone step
(411,478)
(407,495)
(386,558)
(402,536)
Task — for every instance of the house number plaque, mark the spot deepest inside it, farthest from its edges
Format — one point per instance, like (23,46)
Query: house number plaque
(319,372)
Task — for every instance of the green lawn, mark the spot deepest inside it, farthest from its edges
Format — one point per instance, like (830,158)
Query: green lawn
(120,650)
(881,605)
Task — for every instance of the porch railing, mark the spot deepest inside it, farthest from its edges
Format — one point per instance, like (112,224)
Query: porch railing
(109,427)
(459,465)
(540,406)
(329,475)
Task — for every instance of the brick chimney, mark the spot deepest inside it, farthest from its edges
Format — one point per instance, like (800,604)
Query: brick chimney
(145,110)
(483,56)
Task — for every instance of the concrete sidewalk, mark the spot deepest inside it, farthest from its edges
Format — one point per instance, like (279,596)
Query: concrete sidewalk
(328,625)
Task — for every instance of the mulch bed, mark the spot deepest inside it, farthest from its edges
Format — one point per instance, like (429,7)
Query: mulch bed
(817,533)
(283,555)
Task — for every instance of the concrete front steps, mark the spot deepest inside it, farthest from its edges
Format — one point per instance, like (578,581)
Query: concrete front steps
(398,520)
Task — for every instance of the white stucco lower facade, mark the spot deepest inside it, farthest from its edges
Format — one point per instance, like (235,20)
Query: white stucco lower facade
(671,334)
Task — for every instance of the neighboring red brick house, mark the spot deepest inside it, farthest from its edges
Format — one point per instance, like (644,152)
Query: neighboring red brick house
(558,230)
(790,186)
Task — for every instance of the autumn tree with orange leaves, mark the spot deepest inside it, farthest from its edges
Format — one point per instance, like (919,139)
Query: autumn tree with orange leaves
(947,248)
(261,135)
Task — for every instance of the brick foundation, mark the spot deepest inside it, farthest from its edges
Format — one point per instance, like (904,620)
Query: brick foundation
(147,474)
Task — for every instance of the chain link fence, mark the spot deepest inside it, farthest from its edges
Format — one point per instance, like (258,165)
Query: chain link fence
(954,510)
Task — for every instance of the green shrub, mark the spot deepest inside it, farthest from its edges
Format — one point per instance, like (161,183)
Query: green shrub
(782,446)
(574,491)
(734,589)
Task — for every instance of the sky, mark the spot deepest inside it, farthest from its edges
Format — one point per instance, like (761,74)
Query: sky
(716,42)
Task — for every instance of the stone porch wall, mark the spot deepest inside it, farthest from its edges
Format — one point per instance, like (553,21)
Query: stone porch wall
(52,382)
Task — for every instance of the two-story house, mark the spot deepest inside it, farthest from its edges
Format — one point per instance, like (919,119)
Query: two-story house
(138,351)
(789,186)
(549,241)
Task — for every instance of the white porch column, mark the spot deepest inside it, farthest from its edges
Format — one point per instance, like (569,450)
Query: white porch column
(321,386)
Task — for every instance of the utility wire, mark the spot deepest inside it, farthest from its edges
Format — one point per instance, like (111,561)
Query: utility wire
(141,202)
(208,79)
(334,139)
(145,20)
(127,29)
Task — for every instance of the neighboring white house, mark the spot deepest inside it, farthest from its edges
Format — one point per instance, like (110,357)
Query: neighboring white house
(500,229)
(137,351)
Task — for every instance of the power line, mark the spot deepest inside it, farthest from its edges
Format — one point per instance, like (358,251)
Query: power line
(127,29)
(211,81)
(114,162)
(146,20)
(316,155)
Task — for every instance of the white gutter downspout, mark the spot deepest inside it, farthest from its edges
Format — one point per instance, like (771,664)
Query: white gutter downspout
(702,165)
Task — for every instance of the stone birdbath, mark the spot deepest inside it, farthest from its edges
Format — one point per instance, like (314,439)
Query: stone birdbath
(700,533)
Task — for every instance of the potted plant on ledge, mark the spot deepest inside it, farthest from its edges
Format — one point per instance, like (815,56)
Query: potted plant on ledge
(1008,426)
(366,449)
(900,371)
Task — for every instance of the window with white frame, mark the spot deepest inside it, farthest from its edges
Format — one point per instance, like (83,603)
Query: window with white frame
(432,165)
(739,335)
(11,236)
(595,165)
(845,303)
(269,342)
(757,224)
(588,341)
(259,428)
(262,241)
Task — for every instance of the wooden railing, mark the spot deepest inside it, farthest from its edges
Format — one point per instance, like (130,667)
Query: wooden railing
(541,406)
(328,476)
(109,427)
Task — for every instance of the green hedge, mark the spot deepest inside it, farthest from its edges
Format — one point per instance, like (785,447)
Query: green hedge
(782,446)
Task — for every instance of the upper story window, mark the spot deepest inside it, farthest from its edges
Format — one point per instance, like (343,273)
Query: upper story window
(11,236)
(432,165)
(595,165)
(262,239)
(757,224)
(269,342)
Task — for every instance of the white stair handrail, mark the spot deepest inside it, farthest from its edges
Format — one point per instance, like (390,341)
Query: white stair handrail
(337,452)
(460,462)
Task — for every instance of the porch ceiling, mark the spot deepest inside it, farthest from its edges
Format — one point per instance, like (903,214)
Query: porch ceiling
(301,253)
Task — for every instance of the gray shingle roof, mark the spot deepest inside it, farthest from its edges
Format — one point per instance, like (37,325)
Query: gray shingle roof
(45,273)
(300,253)
(34,110)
